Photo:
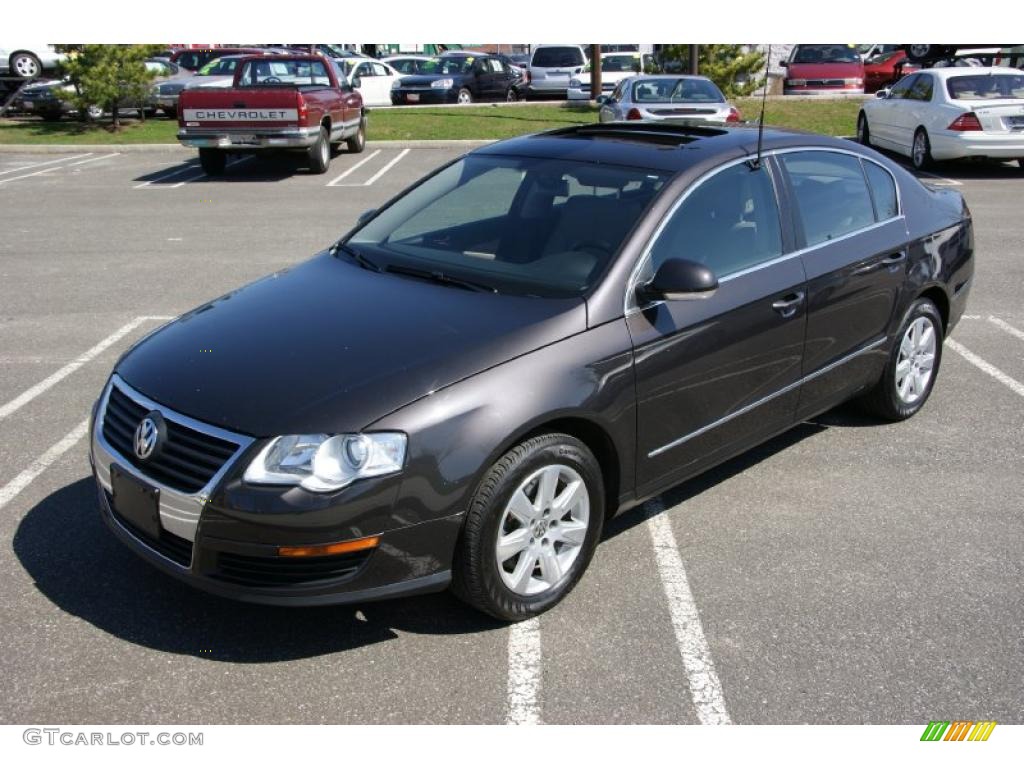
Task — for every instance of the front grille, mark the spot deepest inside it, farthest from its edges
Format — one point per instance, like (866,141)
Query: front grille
(186,461)
(169,545)
(286,571)
(827,83)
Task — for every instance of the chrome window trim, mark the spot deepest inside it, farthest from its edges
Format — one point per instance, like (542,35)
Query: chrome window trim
(179,511)
(758,403)
(629,305)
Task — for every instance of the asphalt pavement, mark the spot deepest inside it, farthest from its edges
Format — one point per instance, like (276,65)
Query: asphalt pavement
(845,572)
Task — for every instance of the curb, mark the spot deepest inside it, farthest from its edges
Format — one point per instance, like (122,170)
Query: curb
(59,149)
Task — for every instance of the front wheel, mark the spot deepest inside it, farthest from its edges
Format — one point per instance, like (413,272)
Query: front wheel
(863,131)
(465,96)
(511,95)
(531,529)
(921,151)
(26,65)
(912,367)
(213,161)
(320,153)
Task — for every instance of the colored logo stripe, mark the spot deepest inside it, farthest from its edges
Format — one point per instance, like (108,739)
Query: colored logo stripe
(982,731)
(958,730)
(935,730)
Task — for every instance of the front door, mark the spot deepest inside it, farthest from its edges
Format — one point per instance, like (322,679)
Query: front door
(716,375)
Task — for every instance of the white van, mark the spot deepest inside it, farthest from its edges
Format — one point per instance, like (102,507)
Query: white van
(552,67)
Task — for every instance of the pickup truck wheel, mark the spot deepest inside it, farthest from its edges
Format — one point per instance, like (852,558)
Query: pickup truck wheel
(358,142)
(320,152)
(170,111)
(213,161)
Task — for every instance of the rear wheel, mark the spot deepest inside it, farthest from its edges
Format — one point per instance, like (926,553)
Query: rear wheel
(320,153)
(357,143)
(863,131)
(213,161)
(511,95)
(531,529)
(25,64)
(921,151)
(912,367)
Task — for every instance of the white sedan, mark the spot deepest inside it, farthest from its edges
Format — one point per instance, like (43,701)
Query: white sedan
(949,113)
(374,79)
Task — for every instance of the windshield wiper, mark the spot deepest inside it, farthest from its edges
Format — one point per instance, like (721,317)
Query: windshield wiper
(357,257)
(441,277)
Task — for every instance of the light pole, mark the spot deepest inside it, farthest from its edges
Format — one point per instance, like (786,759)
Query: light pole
(595,71)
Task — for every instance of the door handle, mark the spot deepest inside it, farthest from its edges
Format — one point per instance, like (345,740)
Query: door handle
(787,305)
(888,261)
(894,258)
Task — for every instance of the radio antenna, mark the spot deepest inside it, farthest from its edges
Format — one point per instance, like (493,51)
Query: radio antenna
(756,162)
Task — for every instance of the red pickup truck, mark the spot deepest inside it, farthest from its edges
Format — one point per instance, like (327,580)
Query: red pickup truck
(292,102)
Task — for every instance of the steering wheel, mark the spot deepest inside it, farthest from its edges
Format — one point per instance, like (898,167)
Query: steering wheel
(272,80)
(600,246)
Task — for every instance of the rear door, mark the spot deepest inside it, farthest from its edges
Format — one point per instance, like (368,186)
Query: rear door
(853,240)
(718,374)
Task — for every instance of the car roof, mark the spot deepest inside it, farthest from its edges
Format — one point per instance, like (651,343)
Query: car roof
(655,146)
(946,72)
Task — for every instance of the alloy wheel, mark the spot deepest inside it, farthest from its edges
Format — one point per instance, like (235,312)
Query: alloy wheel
(920,150)
(26,66)
(542,530)
(916,361)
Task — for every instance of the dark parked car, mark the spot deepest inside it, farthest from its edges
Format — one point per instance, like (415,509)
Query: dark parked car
(459,78)
(538,336)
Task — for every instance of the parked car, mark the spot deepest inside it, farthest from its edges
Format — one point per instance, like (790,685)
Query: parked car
(459,78)
(947,114)
(28,61)
(614,68)
(926,53)
(53,99)
(884,68)
(823,70)
(410,64)
(667,98)
(216,73)
(276,102)
(361,428)
(373,79)
(194,59)
(552,67)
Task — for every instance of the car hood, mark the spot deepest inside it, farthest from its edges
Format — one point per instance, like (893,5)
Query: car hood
(825,70)
(330,347)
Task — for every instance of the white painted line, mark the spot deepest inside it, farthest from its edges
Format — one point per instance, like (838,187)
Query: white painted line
(46,162)
(986,366)
(524,673)
(205,176)
(37,467)
(387,167)
(970,317)
(1003,325)
(94,159)
(33,392)
(355,167)
(705,689)
(171,175)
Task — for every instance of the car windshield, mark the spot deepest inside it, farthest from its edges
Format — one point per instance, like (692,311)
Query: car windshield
(529,226)
(623,63)
(219,67)
(673,90)
(558,57)
(826,54)
(986,87)
(277,72)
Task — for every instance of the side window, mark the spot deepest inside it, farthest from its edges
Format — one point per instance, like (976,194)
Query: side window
(832,196)
(364,70)
(899,91)
(379,70)
(730,223)
(318,73)
(495,66)
(883,191)
(922,89)
(617,93)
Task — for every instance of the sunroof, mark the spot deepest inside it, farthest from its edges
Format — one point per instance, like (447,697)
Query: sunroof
(646,133)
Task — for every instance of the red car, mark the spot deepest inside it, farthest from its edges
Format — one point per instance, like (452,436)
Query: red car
(823,70)
(884,69)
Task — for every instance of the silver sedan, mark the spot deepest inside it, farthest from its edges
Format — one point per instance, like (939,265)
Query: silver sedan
(674,98)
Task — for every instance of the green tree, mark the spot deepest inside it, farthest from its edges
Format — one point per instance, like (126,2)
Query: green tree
(738,70)
(110,77)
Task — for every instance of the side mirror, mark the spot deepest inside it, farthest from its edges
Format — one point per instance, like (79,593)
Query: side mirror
(679,279)
(602,99)
(783,63)
(356,82)
(365,216)
(883,93)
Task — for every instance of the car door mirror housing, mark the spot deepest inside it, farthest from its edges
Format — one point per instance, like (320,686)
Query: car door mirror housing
(357,82)
(678,279)
(365,216)
(603,99)
(883,94)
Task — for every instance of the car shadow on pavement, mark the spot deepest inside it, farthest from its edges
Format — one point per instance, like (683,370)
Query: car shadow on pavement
(241,168)
(81,568)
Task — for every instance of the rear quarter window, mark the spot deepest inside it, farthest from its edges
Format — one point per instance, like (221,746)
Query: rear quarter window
(832,196)
(883,191)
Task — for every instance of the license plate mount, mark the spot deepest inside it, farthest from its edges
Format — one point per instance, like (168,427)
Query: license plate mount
(136,501)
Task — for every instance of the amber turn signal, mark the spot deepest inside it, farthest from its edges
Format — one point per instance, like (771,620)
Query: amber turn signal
(338,548)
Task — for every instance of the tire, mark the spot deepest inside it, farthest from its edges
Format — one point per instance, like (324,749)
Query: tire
(1020,163)
(171,112)
(891,398)
(52,115)
(464,97)
(357,143)
(863,131)
(511,95)
(489,585)
(921,151)
(94,112)
(26,65)
(213,161)
(320,153)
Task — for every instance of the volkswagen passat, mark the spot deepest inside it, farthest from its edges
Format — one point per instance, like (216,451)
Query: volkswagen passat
(539,335)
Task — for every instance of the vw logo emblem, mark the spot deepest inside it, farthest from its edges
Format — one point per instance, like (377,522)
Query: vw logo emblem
(146,435)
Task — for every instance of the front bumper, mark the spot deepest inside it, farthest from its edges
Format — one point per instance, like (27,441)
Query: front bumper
(425,96)
(249,138)
(799,90)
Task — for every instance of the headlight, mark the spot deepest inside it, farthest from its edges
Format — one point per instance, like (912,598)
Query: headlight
(574,83)
(444,83)
(326,462)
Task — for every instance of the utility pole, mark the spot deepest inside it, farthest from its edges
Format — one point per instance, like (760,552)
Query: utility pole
(694,67)
(595,71)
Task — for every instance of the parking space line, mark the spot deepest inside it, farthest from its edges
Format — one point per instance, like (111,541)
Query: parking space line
(204,175)
(705,688)
(191,167)
(94,159)
(37,467)
(40,173)
(986,366)
(46,162)
(1003,325)
(357,166)
(387,167)
(524,673)
(33,392)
